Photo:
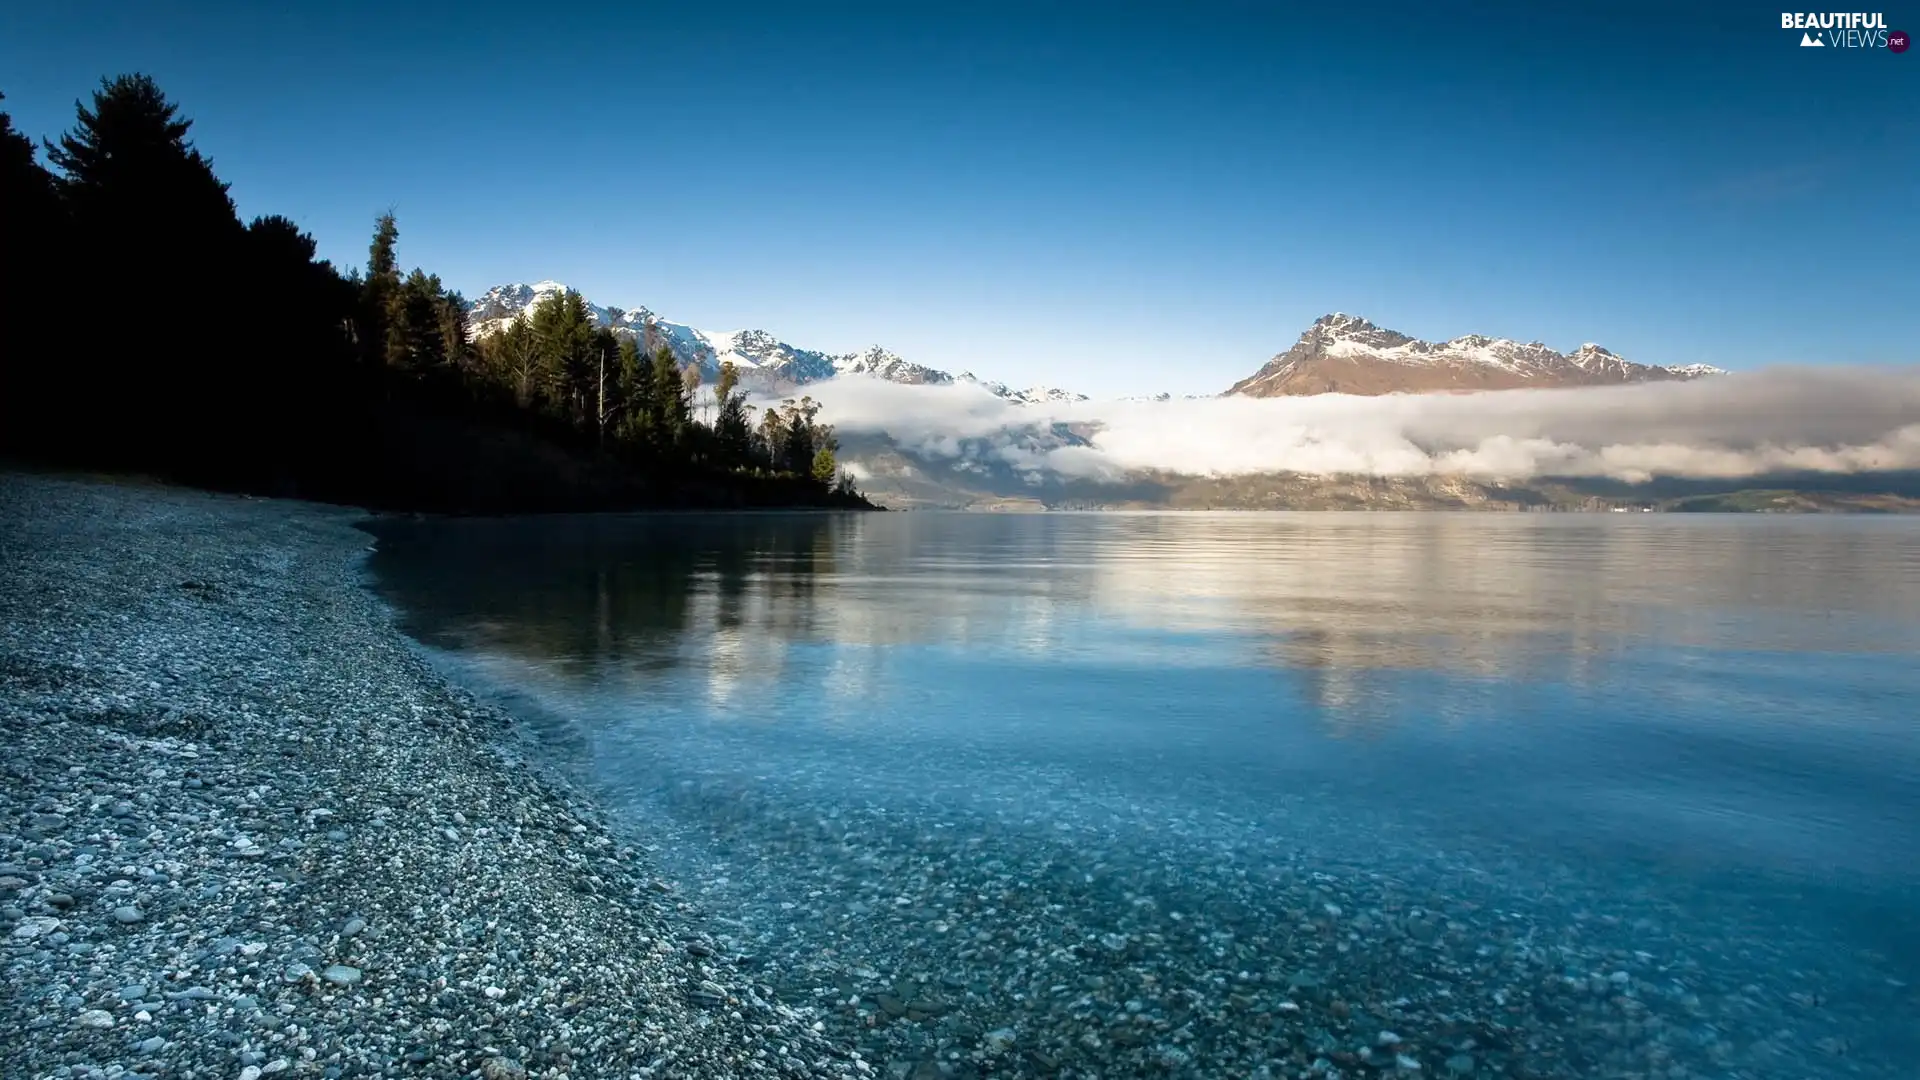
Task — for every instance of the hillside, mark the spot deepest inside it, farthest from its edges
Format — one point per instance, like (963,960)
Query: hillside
(1345,354)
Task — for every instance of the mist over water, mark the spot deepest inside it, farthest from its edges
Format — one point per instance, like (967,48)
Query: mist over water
(1822,420)
(1205,794)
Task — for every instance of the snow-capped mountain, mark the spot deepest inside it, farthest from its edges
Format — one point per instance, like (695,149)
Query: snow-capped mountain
(1345,354)
(765,362)
(763,359)
(880,363)
(1032,395)
(1339,353)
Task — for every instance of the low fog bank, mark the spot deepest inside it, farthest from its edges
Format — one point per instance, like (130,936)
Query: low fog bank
(1782,420)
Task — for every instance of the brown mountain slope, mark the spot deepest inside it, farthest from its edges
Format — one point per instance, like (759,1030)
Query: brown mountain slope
(1344,354)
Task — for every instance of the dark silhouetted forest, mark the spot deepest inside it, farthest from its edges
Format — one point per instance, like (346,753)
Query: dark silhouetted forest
(147,329)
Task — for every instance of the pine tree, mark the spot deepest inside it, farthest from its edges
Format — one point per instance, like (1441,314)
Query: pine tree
(127,165)
(294,391)
(147,208)
(383,256)
(635,384)
(563,329)
(381,290)
(415,338)
(33,253)
(669,418)
(825,468)
(455,340)
(24,184)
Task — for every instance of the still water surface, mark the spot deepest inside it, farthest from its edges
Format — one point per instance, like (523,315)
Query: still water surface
(1247,794)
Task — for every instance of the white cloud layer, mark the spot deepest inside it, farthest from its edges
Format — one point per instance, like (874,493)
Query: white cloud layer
(1838,420)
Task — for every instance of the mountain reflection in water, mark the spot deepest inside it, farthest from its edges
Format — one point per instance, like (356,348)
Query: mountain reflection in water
(1447,772)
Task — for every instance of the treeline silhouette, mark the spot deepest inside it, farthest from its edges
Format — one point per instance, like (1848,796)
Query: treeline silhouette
(147,329)
(616,591)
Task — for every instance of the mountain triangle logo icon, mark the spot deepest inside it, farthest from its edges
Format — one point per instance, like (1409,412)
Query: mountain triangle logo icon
(1809,39)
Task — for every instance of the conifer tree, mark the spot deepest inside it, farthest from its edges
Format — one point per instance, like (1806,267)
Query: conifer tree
(24,184)
(669,414)
(825,468)
(455,344)
(128,170)
(295,391)
(636,397)
(145,208)
(563,329)
(32,264)
(416,340)
(381,290)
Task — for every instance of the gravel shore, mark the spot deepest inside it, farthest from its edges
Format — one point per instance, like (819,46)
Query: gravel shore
(246,831)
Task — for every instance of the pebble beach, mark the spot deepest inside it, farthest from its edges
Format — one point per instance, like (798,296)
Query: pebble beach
(246,831)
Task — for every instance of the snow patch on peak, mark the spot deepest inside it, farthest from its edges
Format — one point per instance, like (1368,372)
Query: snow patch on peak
(766,363)
(1032,395)
(1342,353)
(884,364)
(1045,395)
(1339,322)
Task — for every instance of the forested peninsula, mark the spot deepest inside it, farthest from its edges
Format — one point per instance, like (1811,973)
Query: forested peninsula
(149,330)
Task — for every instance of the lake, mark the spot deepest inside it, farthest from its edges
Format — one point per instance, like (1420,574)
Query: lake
(1245,795)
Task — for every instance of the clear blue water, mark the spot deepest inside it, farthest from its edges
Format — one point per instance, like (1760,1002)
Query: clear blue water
(1247,794)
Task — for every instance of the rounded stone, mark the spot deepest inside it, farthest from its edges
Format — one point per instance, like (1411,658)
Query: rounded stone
(341,974)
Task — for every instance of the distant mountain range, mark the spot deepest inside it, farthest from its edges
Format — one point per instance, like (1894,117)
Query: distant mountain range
(1345,354)
(1338,354)
(765,362)
(1008,468)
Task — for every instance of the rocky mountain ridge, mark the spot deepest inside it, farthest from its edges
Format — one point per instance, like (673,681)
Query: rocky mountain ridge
(1346,354)
(765,362)
(1338,354)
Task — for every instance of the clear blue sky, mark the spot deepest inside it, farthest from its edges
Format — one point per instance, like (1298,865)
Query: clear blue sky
(1112,197)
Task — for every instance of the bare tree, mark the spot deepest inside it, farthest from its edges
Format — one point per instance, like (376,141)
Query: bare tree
(600,413)
(690,378)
